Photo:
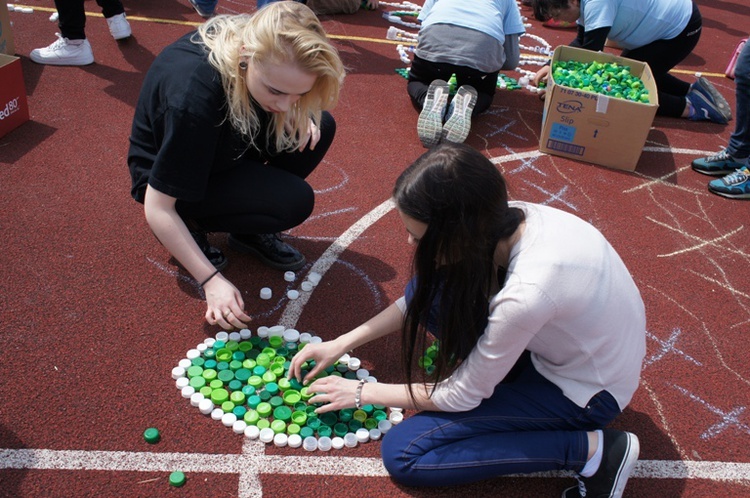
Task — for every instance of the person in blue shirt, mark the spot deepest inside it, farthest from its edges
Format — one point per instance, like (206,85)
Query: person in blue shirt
(659,32)
(473,40)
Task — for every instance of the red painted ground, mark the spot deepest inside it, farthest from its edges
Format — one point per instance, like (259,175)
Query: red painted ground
(94,316)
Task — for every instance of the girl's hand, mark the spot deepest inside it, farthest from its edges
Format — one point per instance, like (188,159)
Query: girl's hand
(324,354)
(543,73)
(334,392)
(225,306)
(313,137)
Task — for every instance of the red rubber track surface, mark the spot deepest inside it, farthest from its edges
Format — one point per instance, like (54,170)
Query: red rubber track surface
(93,315)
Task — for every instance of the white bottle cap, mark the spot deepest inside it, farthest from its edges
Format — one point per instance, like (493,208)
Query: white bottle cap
(324,443)
(276,330)
(192,354)
(291,335)
(182,382)
(362,435)
(265,293)
(185,363)
(234,336)
(252,432)
(217,414)
(209,341)
(201,347)
(315,339)
(337,443)
(228,419)
(384,426)
(371,379)
(306,286)
(310,443)
(396,417)
(292,294)
(350,440)
(395,409)
(54,17)
(188,391)
(196,398)
(363,373)
(375,434)
(206,406)
(354,364)
(280,440)
(289,276)
(178,372)
(222,336)
(239,426)
(263,332)
(304,338)
(294,440)
(344,358)
(245,334)
(266,435)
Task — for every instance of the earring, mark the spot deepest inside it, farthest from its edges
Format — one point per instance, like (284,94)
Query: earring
(243,65)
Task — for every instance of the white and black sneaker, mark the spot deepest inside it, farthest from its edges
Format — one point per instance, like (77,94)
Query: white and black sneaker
(620,454)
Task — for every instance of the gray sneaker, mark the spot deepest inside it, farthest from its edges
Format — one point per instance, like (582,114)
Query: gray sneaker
(458,123)
(64,52)
(430,122)
(718,164)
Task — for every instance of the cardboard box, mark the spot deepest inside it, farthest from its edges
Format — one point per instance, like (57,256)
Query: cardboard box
(14,109)
(6,33)
(596,128)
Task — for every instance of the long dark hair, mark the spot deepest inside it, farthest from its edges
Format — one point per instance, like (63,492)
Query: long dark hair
(544,10)
(462,198)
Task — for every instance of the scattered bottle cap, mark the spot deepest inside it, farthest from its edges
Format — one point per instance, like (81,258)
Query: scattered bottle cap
(151,435)
(289,276)
(177,479)
(265,293)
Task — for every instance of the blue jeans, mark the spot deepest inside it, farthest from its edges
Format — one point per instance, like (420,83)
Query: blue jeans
(261,3)
(739,142)
(527,425)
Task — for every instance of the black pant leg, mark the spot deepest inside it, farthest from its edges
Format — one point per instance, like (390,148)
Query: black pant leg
(72,20)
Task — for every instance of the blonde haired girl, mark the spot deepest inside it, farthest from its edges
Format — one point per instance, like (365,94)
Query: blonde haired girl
(230,122)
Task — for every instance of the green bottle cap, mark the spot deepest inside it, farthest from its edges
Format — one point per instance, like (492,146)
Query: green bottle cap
(263,423)
(359,415)
(240,411)
(269,377)
(222,365)
(278,426)
(223,355)
(235,365)
(253,401)
(210,364)
(328,418)
(306,432)
(237,397)
(283,383)
(177,479)
(259,370)
(299,417)
(251,417)
(264,409)
(206,391)
(292,397)
(209,374)
(242,374)
(226,375)
(276,401)
(272,388)
(216,384)
(283,413)
(325,431)
(340,429)
(293,429)
(151,435)
(218,396)
(313,423)
(276,341)
(194,371)
(198,362)
(371,423)
(232,345)
(197,382)
(227,406)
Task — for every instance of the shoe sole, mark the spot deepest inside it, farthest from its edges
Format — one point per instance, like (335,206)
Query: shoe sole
(247,249)
(632,450)
(55,62)
(457,127)
(716,172)
(430,122)
(720,102)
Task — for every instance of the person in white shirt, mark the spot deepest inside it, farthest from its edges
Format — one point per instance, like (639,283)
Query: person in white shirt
(541,335)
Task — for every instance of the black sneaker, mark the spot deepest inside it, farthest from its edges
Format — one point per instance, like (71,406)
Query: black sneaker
(269,248)
(214,255)
(618,459)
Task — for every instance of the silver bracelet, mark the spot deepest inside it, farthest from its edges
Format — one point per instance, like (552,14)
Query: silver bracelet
(358,394)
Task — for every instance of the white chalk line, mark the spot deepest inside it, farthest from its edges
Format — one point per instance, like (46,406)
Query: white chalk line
(211,463)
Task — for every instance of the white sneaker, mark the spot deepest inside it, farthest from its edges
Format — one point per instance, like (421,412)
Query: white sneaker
(119,26)
(64,52)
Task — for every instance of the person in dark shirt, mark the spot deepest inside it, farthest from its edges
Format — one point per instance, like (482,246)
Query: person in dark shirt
(230,121)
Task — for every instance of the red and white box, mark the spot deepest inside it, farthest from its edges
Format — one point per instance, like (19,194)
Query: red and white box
(14,108)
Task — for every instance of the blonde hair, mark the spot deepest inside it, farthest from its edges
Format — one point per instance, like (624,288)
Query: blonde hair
(281,32)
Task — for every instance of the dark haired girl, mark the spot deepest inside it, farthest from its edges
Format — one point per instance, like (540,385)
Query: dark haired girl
(541,337)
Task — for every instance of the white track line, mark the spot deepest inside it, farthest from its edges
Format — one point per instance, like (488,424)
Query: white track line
(257,464)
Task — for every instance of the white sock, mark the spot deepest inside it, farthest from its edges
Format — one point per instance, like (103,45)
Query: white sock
(593,464)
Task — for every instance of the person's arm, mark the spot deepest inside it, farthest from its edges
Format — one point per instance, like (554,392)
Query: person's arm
(170,229)
(512,51)
(326,353)
(591,40)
